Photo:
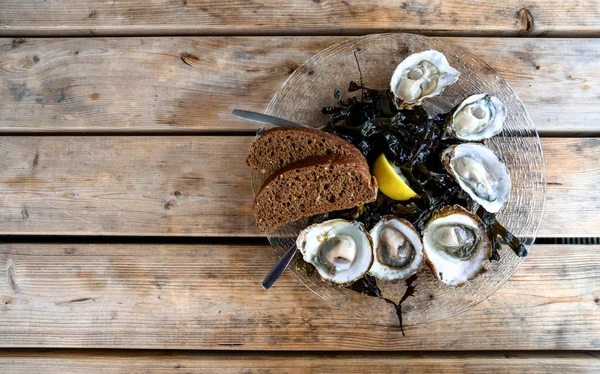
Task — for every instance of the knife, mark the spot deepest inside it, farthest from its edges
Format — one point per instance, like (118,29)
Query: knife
(288,256)
(265,118)
(279,267)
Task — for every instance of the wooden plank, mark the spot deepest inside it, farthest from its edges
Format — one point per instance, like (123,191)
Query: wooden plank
(192,84)
(568,160)
(126,185)
(209,17)
(200,186)
(209,297)
(160,362)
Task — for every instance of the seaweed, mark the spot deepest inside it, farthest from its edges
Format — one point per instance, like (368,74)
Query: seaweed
(410,291)
(374,123)
(410,139)
(413,140)
(367,285)
(498,234)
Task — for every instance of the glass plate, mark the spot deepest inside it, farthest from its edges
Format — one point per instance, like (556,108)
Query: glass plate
(311,87)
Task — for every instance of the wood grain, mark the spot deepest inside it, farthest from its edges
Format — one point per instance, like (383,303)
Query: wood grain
(126,185)
(206,17)
(573,200)
(192,84)
(208,362)
(207,296)
(200,186)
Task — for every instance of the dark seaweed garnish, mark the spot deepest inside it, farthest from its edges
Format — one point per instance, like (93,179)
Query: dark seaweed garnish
(498,234)
(409,138)
(410,291)
(412,139)
(368,285)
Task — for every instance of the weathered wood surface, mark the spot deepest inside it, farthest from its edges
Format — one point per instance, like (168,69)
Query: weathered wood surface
(200,186)
(573,199)
(192,84)
(206,17)
(209,297)
(126,185)
(92,362)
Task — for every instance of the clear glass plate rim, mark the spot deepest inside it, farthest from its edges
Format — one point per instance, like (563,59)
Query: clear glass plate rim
(479,61)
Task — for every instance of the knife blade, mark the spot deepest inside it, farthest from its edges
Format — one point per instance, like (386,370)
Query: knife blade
(279,267)
(265,118)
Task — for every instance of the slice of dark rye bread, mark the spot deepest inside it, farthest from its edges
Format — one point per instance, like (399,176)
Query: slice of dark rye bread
(281,146)
(313,186)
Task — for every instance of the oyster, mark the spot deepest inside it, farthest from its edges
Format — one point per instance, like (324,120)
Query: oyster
(421,75)
(478,117)
(480,173)
(456,245)
(397,249)
(340,250)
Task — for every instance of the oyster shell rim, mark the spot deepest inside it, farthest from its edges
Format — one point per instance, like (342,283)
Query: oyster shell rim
(300,244)
(420,258)
(449,210)
(442,65)
(496,125)
(447,156)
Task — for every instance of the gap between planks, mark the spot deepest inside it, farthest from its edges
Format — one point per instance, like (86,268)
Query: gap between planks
(211,240)
(304,33)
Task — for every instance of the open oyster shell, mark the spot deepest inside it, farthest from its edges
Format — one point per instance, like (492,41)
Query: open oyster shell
(340,250)
(480,173)
(456,245)
(397,249)
(420,76)
(478,117)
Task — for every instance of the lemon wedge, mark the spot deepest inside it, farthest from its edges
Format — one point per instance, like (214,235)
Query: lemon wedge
(391,181)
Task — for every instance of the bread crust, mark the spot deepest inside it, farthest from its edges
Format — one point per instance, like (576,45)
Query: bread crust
(281,146)
(315,185)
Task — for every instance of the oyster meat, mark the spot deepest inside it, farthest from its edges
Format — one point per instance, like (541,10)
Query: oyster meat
(478,117)
(421,75)
(480,173)
(456,245)
(340,250)
(397,249)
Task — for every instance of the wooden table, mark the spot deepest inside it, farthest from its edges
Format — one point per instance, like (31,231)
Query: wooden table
(127,237)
